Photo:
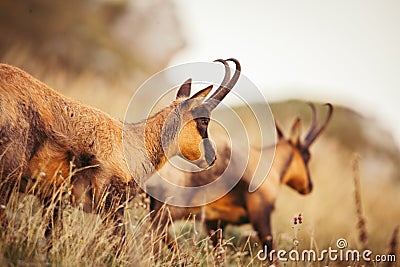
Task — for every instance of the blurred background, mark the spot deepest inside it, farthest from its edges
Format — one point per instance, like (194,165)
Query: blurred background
(342,52)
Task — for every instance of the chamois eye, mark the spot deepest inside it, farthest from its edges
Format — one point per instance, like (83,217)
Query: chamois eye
(306,156)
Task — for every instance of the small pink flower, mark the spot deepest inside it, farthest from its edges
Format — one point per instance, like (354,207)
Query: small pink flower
(300,218)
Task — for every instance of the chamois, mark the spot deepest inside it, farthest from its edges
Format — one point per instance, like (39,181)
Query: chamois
(42,132)
(239,206)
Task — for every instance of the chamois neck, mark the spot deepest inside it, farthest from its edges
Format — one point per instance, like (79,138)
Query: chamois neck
(150,142)
(282,160)
(273,181)
(160,131)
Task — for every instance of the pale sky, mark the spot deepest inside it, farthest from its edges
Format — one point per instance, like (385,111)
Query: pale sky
(342,51)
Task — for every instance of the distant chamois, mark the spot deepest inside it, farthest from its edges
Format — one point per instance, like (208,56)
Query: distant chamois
(239,206)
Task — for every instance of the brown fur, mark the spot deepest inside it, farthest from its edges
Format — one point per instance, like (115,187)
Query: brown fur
(185,136)
(239,206)
(43,132)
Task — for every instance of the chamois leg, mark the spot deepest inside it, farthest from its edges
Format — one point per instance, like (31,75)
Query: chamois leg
(215,229)
(262,225)
(119,222)
(114,209)
(5,193)
(51,209)
(117,196)
(53,215)
(260,218)
(7,187)
(160,221)
(113,215)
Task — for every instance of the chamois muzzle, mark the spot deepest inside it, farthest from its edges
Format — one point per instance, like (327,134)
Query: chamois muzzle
(208,158)
(308,189)
(210,152)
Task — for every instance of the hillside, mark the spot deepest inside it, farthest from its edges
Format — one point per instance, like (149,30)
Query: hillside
(349,130)
(330,209)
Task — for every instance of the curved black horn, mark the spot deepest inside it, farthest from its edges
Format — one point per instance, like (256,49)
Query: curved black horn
(227,73)
(225,86)
(222,85)
(314,133)
(236,75)
(314,122)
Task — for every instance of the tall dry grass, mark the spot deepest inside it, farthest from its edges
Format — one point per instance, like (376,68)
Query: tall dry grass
(329,213)
(80,238)
(394,245)
(361,220)
(77,237)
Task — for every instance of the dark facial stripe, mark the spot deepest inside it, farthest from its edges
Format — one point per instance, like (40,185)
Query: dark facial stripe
(202,126)
(201,116)
(209,150)
(287,164)
(310,184)
(202,119)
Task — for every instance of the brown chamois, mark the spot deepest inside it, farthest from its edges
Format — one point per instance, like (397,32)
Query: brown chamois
(239,206)
(42,132)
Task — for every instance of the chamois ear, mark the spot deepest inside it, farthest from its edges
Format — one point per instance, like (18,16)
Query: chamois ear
(184,90)
(203,93)
(295,132)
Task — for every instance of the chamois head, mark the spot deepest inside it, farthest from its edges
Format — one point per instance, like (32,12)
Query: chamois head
(194,115)
(296,173)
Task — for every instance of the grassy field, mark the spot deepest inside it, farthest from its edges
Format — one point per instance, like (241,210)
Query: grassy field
(84,239)
(329,213)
